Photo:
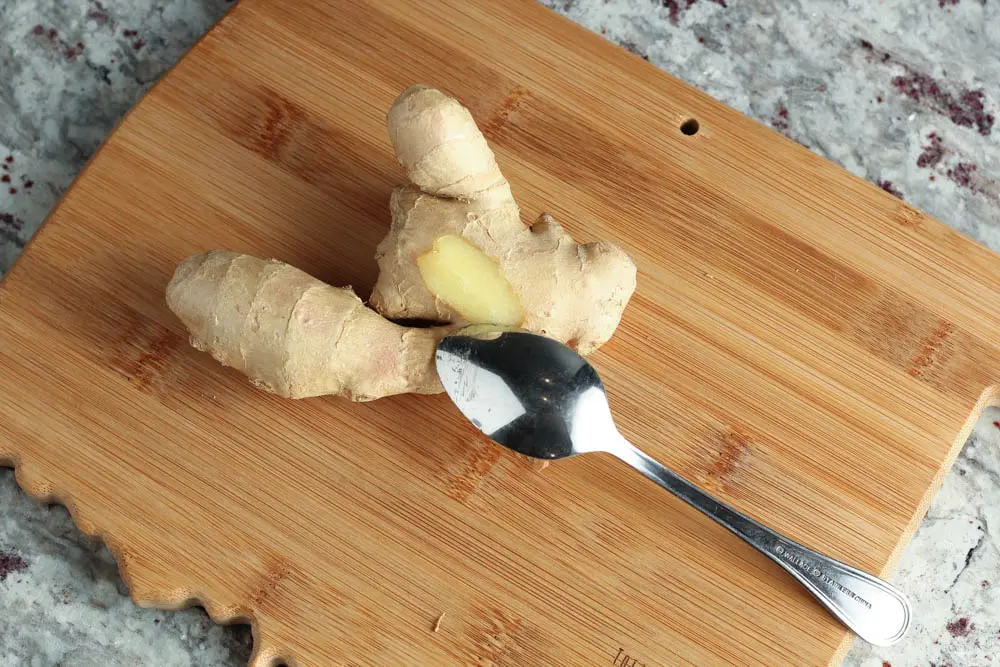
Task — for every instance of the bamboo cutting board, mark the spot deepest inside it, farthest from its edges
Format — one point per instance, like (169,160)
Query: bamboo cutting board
(802,344)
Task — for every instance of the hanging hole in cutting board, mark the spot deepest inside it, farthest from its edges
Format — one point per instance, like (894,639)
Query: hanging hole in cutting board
(689,127)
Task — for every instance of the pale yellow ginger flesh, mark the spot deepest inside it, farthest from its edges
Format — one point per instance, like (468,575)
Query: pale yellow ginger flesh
(573,292)
(296,336)
(470,281)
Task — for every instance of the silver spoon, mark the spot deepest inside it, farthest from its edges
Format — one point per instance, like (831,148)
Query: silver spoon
(538,397)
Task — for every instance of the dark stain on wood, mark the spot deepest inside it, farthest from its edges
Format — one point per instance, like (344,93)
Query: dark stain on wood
(501,639)
(513,101)
(731,455)
(277,570)
(483,455)
(142,353)
(933,350)
(281,120)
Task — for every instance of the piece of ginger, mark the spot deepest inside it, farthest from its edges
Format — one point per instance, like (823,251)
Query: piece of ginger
(456,252)
(573,292)
(296,336)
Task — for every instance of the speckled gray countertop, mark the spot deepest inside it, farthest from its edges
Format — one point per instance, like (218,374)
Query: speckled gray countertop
(901,93)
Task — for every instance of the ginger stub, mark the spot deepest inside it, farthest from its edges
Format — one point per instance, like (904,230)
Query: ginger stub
(456,252)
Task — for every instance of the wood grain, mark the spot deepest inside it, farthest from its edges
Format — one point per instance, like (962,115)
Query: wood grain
(806,346)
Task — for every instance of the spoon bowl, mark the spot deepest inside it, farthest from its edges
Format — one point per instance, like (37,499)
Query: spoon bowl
(538,397)
(527,392)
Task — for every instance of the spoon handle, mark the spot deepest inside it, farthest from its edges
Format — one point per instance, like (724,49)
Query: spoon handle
(876,611)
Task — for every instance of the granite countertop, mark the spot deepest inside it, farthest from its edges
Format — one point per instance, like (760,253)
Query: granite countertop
(903,94)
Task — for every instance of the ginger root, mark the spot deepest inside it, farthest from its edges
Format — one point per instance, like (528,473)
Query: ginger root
(296,336)
(456,252)
(537,277)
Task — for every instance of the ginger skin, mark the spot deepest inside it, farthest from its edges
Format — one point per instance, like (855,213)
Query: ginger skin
(296,336)
(573,292)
